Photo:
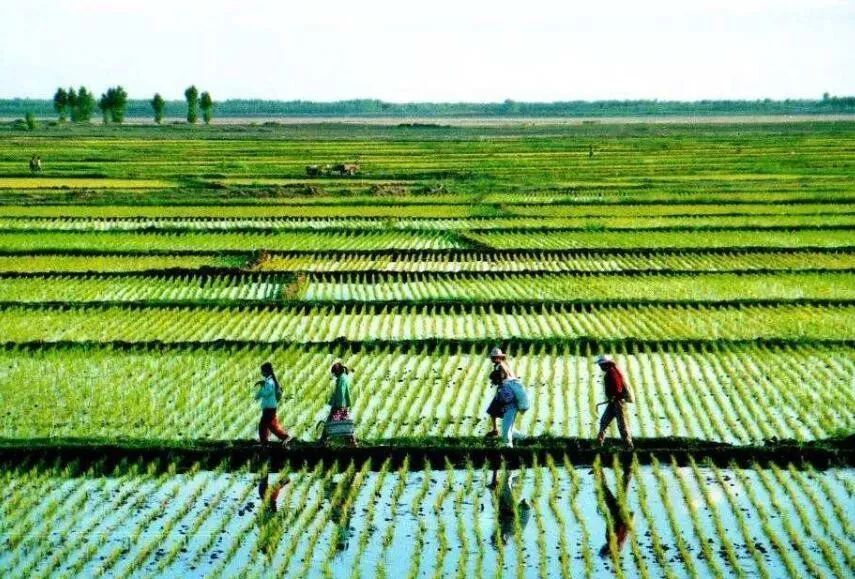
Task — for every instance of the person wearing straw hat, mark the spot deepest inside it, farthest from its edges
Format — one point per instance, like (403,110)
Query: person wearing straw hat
(496,409)
(617,396)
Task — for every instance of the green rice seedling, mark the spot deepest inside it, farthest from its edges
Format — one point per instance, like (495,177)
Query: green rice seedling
(655,538)
(558,512)
(370,517)
(394,502)
(808,523)
(795,535)
(721,533)
(314,517)
(704,539)
(780,546)
(614,550)
(580,519)
(416,508)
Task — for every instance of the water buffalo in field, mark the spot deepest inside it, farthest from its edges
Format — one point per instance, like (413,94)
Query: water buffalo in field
(341,169)
(346,169)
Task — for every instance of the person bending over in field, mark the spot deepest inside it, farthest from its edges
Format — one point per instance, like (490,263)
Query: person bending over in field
(340,399)
(617,396)
(499,360)
(269,394)
(510,400)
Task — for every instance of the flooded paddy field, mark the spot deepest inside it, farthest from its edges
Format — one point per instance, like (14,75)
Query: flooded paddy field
(344,520)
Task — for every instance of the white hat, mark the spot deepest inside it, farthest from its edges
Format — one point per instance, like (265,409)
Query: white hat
(497,353)
(604,359)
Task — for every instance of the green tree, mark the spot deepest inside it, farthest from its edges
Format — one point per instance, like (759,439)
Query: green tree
(113,104)
(30,119)
(207,105)
(105,103)
(60,103)
(158,104)
(82,104)
(119,100)
(192,96)
(72,104)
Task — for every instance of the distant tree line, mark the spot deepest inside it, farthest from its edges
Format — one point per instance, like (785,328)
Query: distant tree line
(79,105)
(114,105)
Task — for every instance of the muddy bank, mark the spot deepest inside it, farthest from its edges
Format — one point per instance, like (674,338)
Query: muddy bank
(436,452)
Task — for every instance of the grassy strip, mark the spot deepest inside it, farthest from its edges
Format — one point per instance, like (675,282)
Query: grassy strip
(433,451)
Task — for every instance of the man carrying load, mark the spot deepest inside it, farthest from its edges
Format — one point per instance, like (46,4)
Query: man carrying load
(617,395)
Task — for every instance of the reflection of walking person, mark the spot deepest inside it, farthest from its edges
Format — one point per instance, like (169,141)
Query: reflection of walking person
(271,527)
(509,510)
(269,393)
(621,519)
(617,396)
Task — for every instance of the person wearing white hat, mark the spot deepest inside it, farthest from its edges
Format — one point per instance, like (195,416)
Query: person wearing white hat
(617,395)
(499,360)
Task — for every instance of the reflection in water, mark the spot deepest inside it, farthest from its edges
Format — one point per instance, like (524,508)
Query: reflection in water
(271,527)
(509,510)
(341,510)
(618,516)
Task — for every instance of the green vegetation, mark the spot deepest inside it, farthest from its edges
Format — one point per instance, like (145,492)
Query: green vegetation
(147,272)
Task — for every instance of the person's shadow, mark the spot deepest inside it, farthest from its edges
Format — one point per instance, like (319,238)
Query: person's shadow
(618,519)
(510,511)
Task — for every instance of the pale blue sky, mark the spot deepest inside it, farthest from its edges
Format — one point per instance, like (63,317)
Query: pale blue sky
(438,50)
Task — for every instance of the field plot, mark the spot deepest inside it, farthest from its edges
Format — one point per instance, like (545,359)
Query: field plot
(717,392)
(147,272)
(345,519)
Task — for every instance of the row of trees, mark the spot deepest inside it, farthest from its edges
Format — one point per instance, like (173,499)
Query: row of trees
(80,104)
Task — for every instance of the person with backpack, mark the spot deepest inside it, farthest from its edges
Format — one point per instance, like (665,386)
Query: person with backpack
(511,399)
(495,411)
(269,394)
(617,396)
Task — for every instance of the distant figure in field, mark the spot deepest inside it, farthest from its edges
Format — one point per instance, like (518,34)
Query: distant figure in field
(340,400)
(617,396)
(339,424)
(510,399)
(269,394)
(590,151)
(35,164)
(499,360)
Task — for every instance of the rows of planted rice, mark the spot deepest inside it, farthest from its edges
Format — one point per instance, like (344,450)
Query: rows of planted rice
(830,221)
(348,518)
(404,207)
(147,272)
(568,261)
(422,261)
(391,239)
(719,391)
(431,287)
(479,322)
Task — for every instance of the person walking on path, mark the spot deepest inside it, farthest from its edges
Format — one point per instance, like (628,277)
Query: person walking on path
(617,396)
(340,400)
(499,360)
(269,393)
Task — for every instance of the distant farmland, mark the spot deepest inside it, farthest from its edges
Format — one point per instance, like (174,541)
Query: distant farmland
(147,272)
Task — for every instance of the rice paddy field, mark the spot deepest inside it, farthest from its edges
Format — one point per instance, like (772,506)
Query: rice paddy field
(148,272)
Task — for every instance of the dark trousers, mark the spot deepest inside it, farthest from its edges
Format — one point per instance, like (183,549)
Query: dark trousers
(269,423)
(615,410)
